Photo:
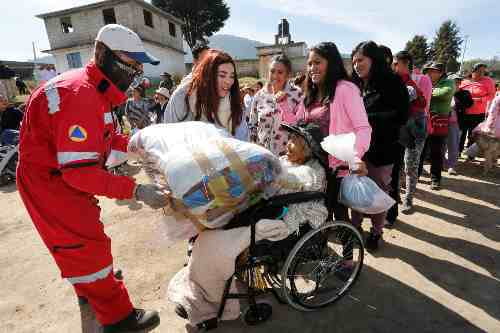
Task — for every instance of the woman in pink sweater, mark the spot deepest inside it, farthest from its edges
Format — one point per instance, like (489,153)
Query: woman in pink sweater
(335,104)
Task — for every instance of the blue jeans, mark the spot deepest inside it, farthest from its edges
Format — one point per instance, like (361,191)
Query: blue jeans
(452,145)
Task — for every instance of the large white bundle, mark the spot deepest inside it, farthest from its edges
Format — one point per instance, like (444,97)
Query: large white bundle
(154,141)
(210,175)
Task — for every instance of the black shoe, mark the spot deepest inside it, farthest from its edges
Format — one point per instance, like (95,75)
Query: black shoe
(435,185)
(372,242)
(389,224)
(181,312)
(137,320)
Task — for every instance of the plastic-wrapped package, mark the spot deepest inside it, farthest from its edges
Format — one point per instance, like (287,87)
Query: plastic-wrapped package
(363,195)
(341,146)
(210,175)
(155,141)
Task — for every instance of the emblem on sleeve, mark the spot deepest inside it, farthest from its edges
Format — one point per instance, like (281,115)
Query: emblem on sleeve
(77,133)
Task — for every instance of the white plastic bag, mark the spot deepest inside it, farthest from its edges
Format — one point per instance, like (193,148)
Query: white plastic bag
(363,195)
(342,147)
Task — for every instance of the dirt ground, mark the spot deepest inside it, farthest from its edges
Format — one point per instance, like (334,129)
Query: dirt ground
(437,271)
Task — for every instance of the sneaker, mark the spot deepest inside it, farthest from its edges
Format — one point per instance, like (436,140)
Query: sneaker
(435,186)
(407,207)
(372,241)
(137,320)
(452,171)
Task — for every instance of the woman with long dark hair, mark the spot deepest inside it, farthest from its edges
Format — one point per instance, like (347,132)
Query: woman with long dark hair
(387,104)
(212,95)
(273,105)
(335,104)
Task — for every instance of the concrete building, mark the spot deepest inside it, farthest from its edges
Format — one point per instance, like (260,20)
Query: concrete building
(72,32)
(296,52)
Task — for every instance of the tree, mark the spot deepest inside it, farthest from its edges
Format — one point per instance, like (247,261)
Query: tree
(419,50)
(202,18)
(447,45)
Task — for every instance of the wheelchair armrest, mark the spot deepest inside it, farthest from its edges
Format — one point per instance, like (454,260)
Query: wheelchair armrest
(293,198)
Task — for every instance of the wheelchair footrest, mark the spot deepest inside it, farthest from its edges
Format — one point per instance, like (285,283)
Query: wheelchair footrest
(258,313)
(208,325)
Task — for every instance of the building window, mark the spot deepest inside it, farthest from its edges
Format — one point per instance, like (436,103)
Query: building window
(148,18)
(109,16)
(66,25)
(74,60)
(171,29)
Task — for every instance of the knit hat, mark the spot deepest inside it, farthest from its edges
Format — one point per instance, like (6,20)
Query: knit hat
(311,133)
(438,66)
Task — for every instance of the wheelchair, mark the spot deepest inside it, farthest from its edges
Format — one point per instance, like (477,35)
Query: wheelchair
(9,140)
(308,270)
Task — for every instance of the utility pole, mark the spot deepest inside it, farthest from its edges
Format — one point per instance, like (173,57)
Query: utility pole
(466,37)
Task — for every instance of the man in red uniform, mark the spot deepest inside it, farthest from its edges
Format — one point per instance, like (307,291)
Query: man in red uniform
(67,134)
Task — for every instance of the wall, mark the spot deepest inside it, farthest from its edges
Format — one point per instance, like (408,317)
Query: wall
(62,62)
(170,61)
(247,67)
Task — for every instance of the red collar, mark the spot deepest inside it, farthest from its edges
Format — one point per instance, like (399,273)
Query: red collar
(96,77)
(405,77)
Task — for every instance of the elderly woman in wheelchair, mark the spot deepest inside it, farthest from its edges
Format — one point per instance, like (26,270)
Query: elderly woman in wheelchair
(283,245)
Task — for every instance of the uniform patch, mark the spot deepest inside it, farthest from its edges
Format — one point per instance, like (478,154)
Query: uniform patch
(77,133)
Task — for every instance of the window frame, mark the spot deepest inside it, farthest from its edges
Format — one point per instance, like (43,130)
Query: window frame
(66,25)
(148,16)
(172,28)
(112,9)
(74,60)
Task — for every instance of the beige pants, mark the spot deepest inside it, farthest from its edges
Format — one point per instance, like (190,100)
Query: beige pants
(8,88)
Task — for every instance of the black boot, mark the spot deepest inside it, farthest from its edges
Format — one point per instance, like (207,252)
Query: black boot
(137,320)
(372,241)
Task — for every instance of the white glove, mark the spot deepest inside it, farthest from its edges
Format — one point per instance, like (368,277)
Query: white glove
(152,195)
(273,230)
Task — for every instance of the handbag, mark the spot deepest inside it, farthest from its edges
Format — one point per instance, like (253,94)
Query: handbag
(439,125)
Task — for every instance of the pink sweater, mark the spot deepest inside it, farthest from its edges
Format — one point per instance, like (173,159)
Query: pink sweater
(347,114)
(491,126)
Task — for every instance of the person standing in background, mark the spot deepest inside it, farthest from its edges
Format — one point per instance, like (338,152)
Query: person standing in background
(462,100)
(387,103)
(417,128)
(334,103)
(442,94)
(482,89)
(273,105)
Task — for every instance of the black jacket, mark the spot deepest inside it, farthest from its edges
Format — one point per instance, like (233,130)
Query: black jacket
(11,119)
(387,104)
(463,101)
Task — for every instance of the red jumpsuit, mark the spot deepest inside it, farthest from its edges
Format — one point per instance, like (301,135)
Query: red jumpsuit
(66,135)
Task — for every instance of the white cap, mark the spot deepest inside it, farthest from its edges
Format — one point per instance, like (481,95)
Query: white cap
(120,38)
(164,92)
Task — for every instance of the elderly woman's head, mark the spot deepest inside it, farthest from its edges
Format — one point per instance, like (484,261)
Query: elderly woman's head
(297,150)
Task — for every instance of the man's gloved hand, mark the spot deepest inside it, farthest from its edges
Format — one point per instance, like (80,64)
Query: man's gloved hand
(152,195)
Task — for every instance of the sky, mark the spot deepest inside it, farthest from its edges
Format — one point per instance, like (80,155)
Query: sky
(346,23)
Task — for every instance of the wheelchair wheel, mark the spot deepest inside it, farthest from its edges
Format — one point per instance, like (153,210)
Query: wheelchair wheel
(322,266)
